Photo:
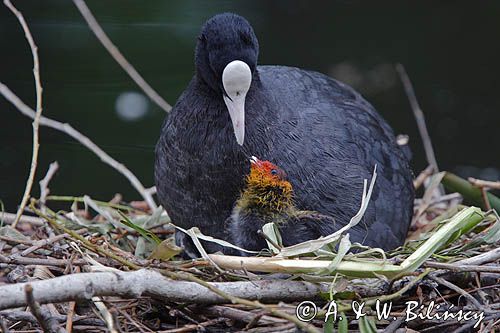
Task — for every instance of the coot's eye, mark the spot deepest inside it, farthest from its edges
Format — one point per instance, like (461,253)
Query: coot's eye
(274,172)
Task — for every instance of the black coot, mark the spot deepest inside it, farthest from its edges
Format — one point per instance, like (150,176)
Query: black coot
(321,131)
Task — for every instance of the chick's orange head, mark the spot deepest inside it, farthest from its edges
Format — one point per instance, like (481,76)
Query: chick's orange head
(266,188)
(267,173)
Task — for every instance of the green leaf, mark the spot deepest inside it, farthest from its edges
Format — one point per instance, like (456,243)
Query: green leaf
(471,193)
(488,236)
(343,323)
(328,327)
(463,219)
(367,325)
(143,232)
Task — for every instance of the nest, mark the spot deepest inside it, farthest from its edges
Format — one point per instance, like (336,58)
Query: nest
(113,266)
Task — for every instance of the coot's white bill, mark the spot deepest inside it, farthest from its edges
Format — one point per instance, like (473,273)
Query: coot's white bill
(236,80)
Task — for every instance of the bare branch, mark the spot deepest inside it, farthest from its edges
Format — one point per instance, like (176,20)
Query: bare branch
(14,315)
(419,117)
(36,121)
(422,177)
(145,282)
(44,183)
(485,183)
(66,128)
(118,56)
(459,290)
(43,317)
(481,259)
(463,268)
(9,218)
(3,326)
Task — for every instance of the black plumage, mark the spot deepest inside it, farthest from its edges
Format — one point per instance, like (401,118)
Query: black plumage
(321,131)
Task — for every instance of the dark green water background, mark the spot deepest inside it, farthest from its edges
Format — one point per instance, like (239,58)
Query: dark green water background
(451,50)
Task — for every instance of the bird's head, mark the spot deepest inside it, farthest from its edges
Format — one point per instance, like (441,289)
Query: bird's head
(226,58)
(267,187)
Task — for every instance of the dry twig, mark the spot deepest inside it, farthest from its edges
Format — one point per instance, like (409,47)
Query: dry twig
(459,290)
(69,130)
(9,218)
(145,282)
(426,173)
(463,268)
(38,113)
(44,183)
(118,56)
(419,117)
(485,183)
(43,317)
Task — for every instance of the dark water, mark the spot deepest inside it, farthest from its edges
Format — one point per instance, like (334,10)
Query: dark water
(450,50)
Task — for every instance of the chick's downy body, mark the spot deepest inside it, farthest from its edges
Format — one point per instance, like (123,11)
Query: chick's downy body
(268,198)
(323,133)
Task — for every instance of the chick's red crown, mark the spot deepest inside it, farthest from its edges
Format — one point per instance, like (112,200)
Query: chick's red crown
(266,169)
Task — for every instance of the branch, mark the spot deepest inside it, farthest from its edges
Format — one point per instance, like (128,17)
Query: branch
(118,56)
(36,121)
(459,290)
(481,259)
(66,128)
(422,177)
(14,315)
(135,284)
(42,316)
(44,183)
(9,218)
(3,326)
(419,117)
(485,183)
(463,268)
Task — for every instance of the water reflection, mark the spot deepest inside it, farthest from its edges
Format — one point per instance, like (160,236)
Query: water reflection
(131,106)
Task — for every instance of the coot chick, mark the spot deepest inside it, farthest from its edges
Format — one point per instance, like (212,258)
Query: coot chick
(321,131)
(268,198)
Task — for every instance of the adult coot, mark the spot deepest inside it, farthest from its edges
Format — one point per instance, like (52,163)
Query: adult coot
(321,131)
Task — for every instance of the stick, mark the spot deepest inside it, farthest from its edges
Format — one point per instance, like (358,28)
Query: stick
(196,327)
(3,326)
(44,183)
(422,177)
(463,268)
(39,261)
(9,218)
(14,315)
(66,128)
(240,315)
(118,56)
(71,310)
(43,317)
(459,290)
(419,117)
(144,282)
(484,183)
(481,259)
(36,121)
